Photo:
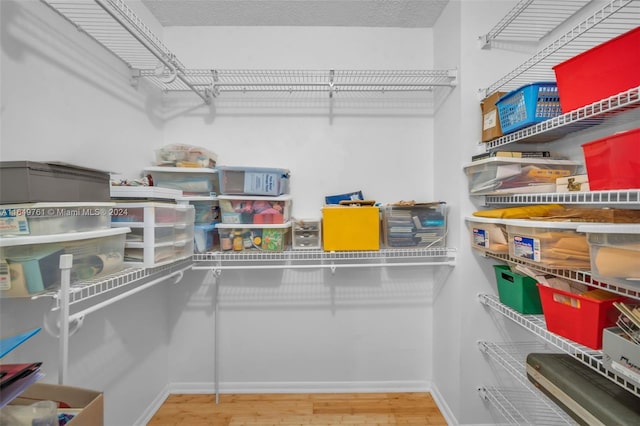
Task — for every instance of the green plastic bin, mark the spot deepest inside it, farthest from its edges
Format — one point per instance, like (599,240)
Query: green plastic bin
(517,291)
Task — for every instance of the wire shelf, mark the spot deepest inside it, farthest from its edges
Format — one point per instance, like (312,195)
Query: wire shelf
(292,259)
(518,408)
(537,325)
(612,20)
(85,290)
(573,121)
(615,197)
(114,25)
(531,20)
(583,277)
(310,81)
(512,357)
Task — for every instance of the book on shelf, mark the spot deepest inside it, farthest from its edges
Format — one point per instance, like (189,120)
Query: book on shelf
(511,154)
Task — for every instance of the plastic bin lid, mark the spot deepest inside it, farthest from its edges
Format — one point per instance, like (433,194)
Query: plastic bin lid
(60,238)
(180,169)
(497,221)
(55,205)
(610,228)
(205,227)
(284,197)
(253,225)
(511,160)
(544,224)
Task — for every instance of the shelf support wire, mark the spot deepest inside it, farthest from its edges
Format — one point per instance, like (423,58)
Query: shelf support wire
(66,262)
(176,275)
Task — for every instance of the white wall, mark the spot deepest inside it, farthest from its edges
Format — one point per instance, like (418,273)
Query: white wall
(65,99)
(309,330)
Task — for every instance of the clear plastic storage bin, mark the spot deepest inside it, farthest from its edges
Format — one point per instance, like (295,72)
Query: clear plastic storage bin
(488,234)
(253,181)
(414,226)
(257,210)
(207,210)
(236,238)
(191,181)
(54,218)
(205,238)
(501,175)
(548,244)
(31,264)
(615,252)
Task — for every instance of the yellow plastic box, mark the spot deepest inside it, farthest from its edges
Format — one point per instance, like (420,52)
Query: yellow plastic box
(346,228)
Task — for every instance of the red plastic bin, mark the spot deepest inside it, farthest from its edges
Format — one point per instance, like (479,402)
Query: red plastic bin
(613,162)
(576,317)
(600,72)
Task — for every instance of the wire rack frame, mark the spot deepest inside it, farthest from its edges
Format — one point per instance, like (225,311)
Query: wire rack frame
(326,81)
(88,289)
(614,19)
(613,197)
(579,119)
(583,277)
(511,356)
(537,325)
(531,20)
(318,258)
(114,25)
(518,408)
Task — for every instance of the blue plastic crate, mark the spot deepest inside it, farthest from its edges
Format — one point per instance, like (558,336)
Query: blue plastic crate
(528,105)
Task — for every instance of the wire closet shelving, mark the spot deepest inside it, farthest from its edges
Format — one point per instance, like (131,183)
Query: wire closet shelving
(533,406)
(116,27)
(613,19)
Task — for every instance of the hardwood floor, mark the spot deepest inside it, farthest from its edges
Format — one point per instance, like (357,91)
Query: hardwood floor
(353,409)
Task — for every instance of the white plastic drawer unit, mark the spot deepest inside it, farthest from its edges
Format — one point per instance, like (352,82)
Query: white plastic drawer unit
(160,232)
(31,264)
(189,180)
(615,252)
(306,234)
(502,175)
(54,218)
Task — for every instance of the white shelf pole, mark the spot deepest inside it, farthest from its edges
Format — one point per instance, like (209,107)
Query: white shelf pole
(66,262)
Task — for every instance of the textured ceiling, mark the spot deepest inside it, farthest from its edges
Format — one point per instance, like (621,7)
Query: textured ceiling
(331,13)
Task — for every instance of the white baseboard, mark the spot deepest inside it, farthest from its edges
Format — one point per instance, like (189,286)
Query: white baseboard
(301,387)
(443,406)
(151,409)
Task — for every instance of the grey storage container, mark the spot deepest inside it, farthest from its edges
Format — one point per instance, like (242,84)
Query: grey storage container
(30,181)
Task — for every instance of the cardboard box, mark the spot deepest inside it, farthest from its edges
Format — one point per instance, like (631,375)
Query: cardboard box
(347,228)
(90,402)
(490,118)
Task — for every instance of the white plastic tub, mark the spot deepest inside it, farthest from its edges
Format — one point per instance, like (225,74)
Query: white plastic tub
(548,244)
(615,252)
(54,218)
(259,210)
(191,181)
(32,263)
(488,234)
(502,175)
